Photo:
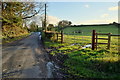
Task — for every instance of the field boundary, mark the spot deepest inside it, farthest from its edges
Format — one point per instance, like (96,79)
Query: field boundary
(116,24)
(95,39)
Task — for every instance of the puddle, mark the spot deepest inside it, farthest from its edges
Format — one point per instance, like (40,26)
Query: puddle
(50,69)
(39,33)
(39,37)
(53,71)
(87,46)
(74,44)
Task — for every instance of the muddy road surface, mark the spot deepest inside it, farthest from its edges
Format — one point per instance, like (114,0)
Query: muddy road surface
(25,58)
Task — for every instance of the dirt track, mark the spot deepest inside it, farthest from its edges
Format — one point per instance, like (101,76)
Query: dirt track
(24,59)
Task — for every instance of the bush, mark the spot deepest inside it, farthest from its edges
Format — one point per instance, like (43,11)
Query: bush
(13,31)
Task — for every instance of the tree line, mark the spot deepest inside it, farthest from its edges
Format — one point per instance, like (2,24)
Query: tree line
(15,15)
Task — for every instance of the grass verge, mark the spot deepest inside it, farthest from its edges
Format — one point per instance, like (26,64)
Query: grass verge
(85,63)
(9,40)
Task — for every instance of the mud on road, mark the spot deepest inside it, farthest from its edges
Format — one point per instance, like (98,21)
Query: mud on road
(25,58)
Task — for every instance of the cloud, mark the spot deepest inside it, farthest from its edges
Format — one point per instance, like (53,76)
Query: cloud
(36,19)
(87,6)
(114,8)
(98,21)
(53,20)
(104,15)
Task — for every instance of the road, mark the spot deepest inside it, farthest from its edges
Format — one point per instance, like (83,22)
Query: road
(25,58)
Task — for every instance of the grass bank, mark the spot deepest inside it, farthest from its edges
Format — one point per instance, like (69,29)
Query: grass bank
(9,40)
(85,63)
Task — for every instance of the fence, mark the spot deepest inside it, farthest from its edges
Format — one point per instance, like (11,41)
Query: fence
(101,40)
(58,35)
(73,38)
(95,39)
(115,43)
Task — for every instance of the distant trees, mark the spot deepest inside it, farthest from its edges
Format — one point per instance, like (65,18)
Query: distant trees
(63,23)
(33,27)
(50,27)
(115,23)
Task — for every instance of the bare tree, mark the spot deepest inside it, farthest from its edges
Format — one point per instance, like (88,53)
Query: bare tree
(13,12)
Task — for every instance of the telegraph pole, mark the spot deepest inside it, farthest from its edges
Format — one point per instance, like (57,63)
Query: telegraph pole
(45,20)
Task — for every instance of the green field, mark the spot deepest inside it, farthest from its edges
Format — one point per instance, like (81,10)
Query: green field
(85,37)
(86,63)
(87,30)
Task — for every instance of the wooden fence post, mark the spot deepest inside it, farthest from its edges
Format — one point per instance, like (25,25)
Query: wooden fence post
(93,39)
(61,36)
(109,39)
(57,36)
(96,44)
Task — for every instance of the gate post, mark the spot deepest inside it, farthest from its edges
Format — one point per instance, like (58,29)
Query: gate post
(57,35)
(109,39)
(93,39)
(62,37)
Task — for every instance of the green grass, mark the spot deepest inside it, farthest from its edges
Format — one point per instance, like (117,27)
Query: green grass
(84,40)
(86,62)
(87,30)
(85,37)
(93,64)
(9,40)
(101,63)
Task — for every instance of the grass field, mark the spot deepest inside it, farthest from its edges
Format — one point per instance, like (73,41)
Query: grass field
(87,30)
(85,37)
(86,63)
(85,40)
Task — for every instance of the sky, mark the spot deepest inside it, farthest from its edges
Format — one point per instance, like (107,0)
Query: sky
(82,12)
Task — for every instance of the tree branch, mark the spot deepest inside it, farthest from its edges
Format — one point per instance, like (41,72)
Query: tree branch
(34,13)
(31,15)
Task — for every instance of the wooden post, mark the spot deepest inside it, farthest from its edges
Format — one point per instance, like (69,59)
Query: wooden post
(96,44)
(61,36)
(109,40)
(57,36)
(93,39)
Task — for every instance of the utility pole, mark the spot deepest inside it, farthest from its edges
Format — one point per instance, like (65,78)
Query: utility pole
(45,20)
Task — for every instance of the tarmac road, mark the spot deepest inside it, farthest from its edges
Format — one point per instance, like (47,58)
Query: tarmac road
(25,58)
